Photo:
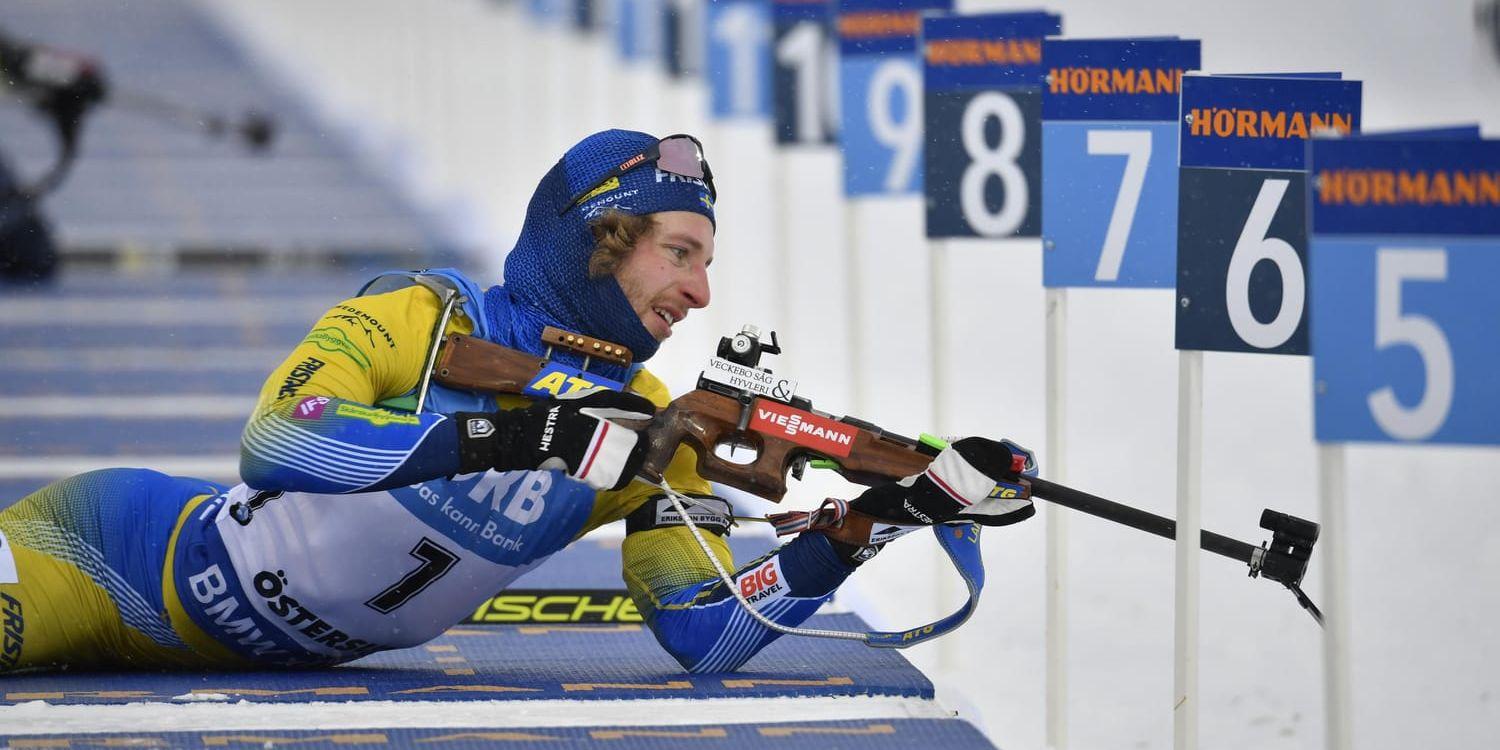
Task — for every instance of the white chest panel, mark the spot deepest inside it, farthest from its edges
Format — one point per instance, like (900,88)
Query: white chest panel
(392,568)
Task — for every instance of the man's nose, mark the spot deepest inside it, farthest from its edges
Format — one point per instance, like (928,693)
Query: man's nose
(695,289)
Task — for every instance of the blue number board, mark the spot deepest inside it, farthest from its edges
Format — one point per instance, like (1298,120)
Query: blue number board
(738,58)
(982,123)
(880,82)
(1242,210)
(1405,264)
(585,15)
(681,37)
(546,12)
(802,88)
(638,28)
(1109,160)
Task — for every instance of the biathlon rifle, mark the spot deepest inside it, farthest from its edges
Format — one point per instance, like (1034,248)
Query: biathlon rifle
(767,431)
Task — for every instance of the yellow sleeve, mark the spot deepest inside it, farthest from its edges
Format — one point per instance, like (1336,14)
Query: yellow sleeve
(681,474)
(365,350)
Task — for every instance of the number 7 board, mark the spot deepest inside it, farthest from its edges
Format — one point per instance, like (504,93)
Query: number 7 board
(1109,160)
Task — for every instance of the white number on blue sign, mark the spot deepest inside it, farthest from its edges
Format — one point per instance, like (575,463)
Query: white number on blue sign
(1254,246)
(1135,146)
(1393,327)
(807,50)
(741,29)
(902,136)
(998,162)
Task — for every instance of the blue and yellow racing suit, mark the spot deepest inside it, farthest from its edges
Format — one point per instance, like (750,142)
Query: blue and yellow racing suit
(352,532)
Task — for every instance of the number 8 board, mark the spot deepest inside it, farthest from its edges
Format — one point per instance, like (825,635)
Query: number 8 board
(982,115)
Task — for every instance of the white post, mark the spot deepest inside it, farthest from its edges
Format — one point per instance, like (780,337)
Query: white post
(856,314)
(1189,532)
(781,218)
(937,255)
(947,589)
(1332,541)
(1057,537)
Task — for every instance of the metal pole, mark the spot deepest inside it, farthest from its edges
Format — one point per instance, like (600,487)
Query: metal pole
(947,587)
(856,326)
(1189,528)
(1057,538)
(1338,728)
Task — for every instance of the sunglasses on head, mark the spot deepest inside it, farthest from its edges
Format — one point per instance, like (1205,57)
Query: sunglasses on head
(681,155)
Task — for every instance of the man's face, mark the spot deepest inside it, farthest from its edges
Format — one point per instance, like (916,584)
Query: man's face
(666,275)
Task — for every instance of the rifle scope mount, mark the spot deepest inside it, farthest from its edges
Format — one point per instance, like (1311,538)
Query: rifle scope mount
(746,347)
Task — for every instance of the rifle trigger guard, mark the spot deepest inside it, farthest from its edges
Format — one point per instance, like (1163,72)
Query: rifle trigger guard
(744,421)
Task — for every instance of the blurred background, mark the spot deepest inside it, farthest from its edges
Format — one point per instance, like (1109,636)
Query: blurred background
(244,164)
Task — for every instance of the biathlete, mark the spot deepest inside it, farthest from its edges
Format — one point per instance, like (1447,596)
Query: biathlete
(378,508)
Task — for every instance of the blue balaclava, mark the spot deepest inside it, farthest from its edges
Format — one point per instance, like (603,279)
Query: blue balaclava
(546,274)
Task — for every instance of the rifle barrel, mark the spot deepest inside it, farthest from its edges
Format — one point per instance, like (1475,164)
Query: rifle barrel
(1136,518)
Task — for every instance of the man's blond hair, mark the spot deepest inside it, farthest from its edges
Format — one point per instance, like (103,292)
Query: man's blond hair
(615,236)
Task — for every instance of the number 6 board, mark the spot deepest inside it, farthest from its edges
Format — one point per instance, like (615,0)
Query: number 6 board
(982,117)
(1242,211)
(1405,262)
(1109,160)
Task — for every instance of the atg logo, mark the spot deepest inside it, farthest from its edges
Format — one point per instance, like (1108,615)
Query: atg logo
(556,380)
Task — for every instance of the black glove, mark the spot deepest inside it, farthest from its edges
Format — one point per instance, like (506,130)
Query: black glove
(957,486)
(579,434)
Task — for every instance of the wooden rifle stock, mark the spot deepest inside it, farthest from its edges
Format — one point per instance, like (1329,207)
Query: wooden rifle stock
(704,419)
(473,364)
(701,419)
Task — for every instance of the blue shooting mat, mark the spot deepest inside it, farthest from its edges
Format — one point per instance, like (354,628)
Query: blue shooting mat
(517,662)
(874,734)
(527,662)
